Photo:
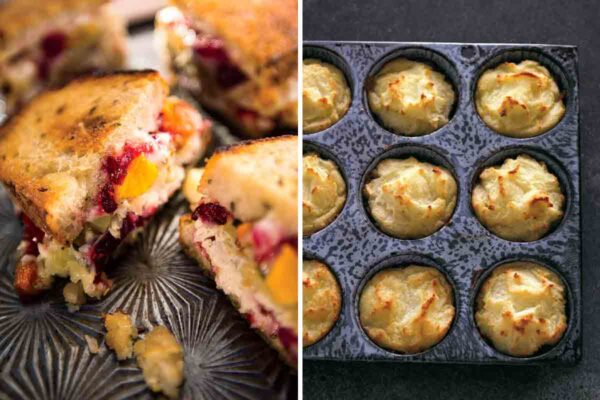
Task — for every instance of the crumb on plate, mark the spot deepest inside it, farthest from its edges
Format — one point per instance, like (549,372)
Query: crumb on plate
(120,334)
(160,357)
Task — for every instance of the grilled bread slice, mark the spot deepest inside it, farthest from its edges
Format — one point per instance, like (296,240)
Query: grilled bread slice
(256,178)
(23,22)
(51,154)
(47,43)
(243,232)
(260,36)
(88,164)
(239,59)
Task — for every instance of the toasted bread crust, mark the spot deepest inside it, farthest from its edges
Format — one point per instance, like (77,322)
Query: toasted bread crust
(251,145)
(20,17)
(51,152)
(258,33)
(255,178)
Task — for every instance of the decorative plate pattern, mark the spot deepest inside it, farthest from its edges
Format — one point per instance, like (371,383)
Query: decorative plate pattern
(43,349)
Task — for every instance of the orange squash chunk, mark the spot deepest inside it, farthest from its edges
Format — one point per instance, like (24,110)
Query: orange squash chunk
(181,120)
(140,177)
(282,279)
(244,233)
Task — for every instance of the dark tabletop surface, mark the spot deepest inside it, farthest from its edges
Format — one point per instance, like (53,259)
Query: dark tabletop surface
(550,21)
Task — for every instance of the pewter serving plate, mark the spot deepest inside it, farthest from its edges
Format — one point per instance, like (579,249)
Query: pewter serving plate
(354,248)
(43,350)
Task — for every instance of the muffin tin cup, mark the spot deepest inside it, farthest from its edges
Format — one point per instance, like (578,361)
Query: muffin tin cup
(554,167)
(352,245)
(402,261)
(333,58)
(546,351)
(326,154)
(434,59)
(425,154)
(565,84)
(307,256)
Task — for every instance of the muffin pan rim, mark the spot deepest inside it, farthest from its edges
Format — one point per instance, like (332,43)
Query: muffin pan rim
(354,135)
(390,262)
(545,351)
(398,52)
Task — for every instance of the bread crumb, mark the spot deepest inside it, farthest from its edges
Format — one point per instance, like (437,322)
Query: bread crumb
(190,185)
(120,334)
(74,296)
(92,344)
(161,359)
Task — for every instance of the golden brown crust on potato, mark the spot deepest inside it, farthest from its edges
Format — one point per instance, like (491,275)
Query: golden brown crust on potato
(407,309)
(51,152)
(259,34)
(521,307)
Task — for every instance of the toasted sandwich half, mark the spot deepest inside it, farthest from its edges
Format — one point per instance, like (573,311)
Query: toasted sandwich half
(89,163)
(243,232)
(47,42)
(238,58)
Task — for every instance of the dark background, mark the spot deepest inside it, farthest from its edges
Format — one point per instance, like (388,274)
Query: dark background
(574,22)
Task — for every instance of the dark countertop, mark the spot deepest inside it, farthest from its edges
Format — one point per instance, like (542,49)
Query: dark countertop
(551,21)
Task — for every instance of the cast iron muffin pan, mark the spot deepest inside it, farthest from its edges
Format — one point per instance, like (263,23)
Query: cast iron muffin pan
(355,249)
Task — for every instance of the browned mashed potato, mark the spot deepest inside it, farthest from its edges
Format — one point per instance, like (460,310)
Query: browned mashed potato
(407,309)
(521,307)
(323,193)
(321,301)
(519,100)
(411,98)
(326,96)
(519,200)
(410,199)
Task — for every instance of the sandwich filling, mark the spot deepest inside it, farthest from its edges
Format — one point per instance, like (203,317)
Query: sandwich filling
(204,66)
(67,47)
(138,179)
(256,264)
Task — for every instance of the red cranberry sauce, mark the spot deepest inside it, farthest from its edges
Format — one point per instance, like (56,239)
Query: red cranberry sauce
(116,169)
(212,52)
(211,213)
(102,249)
(32,235)
(106,244)
(247,115)
(288,338)
(268,239)
(52,45)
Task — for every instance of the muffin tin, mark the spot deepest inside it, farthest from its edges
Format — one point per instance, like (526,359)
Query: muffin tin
(354,248)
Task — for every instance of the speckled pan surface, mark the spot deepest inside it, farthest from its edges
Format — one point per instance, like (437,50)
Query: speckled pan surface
(463,249)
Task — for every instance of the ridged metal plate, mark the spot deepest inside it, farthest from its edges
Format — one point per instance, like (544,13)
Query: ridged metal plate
(44,354)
